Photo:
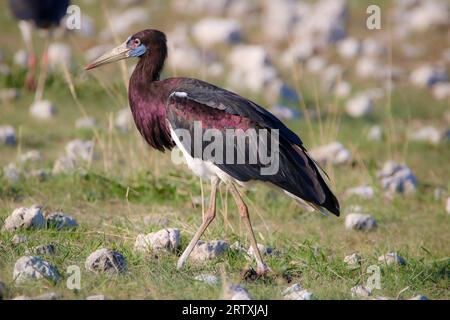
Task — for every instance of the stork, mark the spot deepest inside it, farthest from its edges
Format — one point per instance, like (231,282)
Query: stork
(165,110)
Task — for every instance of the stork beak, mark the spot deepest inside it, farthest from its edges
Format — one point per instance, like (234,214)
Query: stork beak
(116,54)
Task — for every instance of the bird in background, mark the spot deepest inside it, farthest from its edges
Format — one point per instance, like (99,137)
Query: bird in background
(162,109)
(44,15)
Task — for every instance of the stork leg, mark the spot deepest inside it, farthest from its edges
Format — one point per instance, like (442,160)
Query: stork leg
(44,70)
(26,31)
(208,218)
(261,267)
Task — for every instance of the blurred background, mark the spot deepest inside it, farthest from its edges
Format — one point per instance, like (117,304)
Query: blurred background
(372,105)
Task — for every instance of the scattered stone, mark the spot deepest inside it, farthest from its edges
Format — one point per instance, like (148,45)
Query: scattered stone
(343,89)
(447,207)
(238,247)
(30,156)
(359,221)
(392,258)
(333,153)
(428,134)
(208,250)
(364,192)
(106,261)
(359,106)
(86,123)
(60,221)
(9,94)
(59,56)
(43,110)
(397,178)
(296,292)
(12,173)
(124,21)
(349,48)
(162,240)
(18,239)
(316,64)
(43,250)
(285,113)
(265,251)
(80,150)
(236,292)
(40,174)
(428,75)
(21,58)
(419,297)
(97,297)
(441,90)
(124,120)
(22,298)
(63,164)
(25,218)
(208,278)
(48,296)
(375,133)
(361,291)
(7,135)
(353,260)
(214,31)
(29,268)
(382,298)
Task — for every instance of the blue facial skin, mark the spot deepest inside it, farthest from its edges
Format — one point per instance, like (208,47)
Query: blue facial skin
(138,51)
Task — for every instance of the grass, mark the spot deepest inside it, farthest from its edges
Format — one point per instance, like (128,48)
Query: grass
(111,197)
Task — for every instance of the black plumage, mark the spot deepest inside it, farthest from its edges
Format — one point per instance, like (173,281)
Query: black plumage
(44,13)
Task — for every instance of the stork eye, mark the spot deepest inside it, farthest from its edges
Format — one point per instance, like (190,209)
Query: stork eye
(137,42)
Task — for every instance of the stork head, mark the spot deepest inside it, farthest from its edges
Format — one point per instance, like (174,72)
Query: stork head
(148,43)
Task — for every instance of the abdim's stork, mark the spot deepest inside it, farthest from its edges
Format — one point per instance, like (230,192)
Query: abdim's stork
(41,14)
(162,107)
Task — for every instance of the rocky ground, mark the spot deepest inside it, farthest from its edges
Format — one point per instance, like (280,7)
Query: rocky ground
(80,190)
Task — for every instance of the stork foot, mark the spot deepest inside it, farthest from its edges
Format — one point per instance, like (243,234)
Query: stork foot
(30,82)
(250,274)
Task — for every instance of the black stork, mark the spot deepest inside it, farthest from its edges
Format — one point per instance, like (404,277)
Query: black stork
(41,14)
(162,109)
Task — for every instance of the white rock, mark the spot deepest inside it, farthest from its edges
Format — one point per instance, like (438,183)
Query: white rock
(29,268)
(80,150)
(48,296)
(368,67)
(361,291)
(30,156)
(12,173)
(316,64)
(60,221)
(7,135)
(441,90)
(208,278)
(358,221)
(372,47)
(419,297)
(205,7)
(392,258)
(331,75)
(352,260)
(21,58)
(285,113)
(48,249)
(25,218)
(208,250)
(428,75)
(343,89)
(447,206)
(236,292)
(375,133)
(296,292)
(97,297)
(59,56)
(43,110)
(18,239)
(209,32)
(106,261)
(397,178)
(86,123)
(428,134)
(8,94)
(333,153)
(250,57)
(279,18)
(124,120)
(265,251)
(63,165)
(125,21)
(359,106)
(364,192)
(349,48)
(427,15)
(162,240)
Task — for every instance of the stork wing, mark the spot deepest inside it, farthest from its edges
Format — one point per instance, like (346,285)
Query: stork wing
(196,103)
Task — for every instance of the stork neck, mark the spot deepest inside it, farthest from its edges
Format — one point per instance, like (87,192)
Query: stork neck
(149,68)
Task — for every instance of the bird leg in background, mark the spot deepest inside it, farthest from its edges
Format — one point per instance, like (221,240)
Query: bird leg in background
(44,70)
(261,267)
(26,31)
(209,217)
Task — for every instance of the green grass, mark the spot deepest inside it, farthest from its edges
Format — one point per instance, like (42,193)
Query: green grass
(111,197)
